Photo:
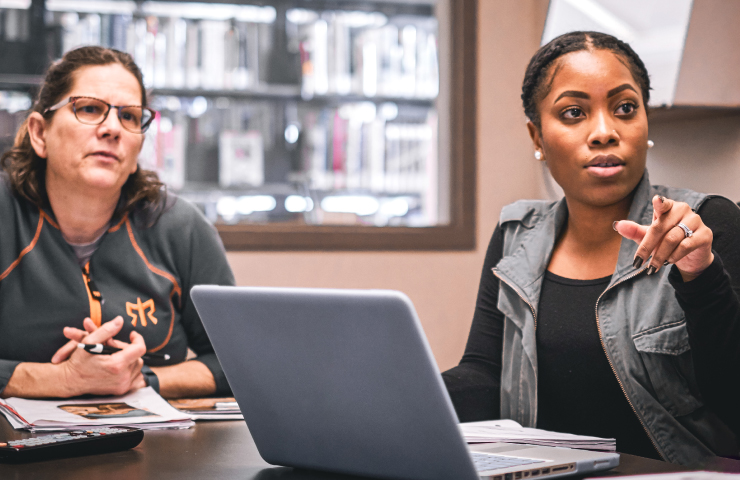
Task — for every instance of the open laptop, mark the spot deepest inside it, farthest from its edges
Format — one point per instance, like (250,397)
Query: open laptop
(345,381)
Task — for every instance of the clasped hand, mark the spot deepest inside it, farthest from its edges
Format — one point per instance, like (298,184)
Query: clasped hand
(668,243)
(115,374)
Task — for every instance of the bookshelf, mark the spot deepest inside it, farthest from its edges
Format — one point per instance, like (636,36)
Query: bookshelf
(292,124)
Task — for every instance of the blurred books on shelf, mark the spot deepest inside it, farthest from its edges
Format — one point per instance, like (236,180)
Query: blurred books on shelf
(387,151)
(13,111)
(366,53)
(165,151)
(354,140)
(14,23)
(240,159)
(181,44)
(176,44)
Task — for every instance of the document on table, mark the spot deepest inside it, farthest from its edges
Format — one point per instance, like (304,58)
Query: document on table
(143,408)
(209,408)
(509,431)
(685,476)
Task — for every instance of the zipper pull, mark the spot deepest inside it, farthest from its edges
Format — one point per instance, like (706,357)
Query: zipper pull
(93,288)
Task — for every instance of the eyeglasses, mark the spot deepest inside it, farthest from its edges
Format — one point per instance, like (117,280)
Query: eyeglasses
(93,111)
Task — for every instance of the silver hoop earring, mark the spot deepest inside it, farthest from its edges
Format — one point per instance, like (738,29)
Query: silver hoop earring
(651,144)
(538,155)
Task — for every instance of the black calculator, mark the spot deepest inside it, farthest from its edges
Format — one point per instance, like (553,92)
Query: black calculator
(70,444)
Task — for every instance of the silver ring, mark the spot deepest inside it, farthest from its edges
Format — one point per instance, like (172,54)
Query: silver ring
(687,232)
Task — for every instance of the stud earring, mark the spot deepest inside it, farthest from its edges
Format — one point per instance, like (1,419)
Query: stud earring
(651,144)
(538,155)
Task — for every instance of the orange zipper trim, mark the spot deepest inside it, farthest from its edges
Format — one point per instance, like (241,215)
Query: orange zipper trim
(176,290)
(48,219)
(96,314)
(608,358)
(25,251)
(118,225)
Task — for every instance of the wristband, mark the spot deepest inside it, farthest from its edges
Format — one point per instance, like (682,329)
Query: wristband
(150,378)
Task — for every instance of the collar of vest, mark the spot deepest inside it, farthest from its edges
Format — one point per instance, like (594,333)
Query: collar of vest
(531,229)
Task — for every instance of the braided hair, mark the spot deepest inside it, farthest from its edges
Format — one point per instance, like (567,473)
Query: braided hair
(538,80)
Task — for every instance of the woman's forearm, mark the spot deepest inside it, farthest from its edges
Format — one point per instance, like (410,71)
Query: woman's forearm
(44,380)
(712,312)
(37,380)
(187,379)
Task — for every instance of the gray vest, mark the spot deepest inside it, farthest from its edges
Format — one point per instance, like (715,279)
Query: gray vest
(642,328)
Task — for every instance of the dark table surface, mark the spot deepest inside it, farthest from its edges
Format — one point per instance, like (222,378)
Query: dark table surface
(224,451)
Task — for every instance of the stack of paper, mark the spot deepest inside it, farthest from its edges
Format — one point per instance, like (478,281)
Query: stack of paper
(686,476)
(509,431)
(142,409)
(209,408)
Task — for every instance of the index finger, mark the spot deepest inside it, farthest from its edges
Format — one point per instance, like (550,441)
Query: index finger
(106,331)
(74,334)
(89,325)
(64,352)
(134,350)
(667,213)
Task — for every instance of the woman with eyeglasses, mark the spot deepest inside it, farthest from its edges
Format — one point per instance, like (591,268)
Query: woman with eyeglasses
(612,312)
(94,250)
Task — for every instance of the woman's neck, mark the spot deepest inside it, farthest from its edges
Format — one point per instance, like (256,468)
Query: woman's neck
(82,215)
(591,227)
(589,247)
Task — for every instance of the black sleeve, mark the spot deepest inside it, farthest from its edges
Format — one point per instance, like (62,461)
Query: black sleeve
(7,368)
(475,384)
(206,265)
(8,254)
(710,303)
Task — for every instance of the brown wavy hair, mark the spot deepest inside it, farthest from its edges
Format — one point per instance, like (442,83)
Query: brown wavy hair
(26,171)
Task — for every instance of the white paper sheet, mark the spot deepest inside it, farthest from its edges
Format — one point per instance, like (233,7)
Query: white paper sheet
(509,431)
(685,476)
(143,408)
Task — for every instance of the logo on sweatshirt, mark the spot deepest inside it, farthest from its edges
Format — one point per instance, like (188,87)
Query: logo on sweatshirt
(141,311)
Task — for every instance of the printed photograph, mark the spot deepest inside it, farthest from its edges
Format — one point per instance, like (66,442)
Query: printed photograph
(97,411)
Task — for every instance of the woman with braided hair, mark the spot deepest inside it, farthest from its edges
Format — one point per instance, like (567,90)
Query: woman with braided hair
(612,312)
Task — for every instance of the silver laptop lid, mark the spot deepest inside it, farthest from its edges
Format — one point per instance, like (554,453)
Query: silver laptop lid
(336,380)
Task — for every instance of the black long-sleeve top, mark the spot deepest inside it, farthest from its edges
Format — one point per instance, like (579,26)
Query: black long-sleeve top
(578,392)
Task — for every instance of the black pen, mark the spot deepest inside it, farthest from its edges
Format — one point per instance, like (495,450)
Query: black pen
(100,349)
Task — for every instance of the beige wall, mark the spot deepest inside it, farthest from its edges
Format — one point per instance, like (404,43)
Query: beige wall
(442,285)
(699,150)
